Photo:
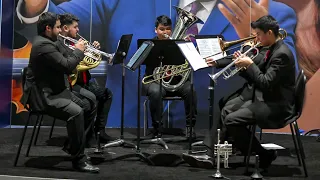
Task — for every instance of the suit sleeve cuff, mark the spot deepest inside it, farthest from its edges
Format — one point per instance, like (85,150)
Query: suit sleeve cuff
(79,54)
(32,19)
(252,70)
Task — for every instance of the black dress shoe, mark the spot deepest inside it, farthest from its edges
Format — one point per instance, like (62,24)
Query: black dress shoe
(85,167)
(266,159)
(202,161)
(105,138)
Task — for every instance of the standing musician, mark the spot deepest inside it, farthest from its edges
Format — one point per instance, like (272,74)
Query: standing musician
(69,28)
(49,67)
(163,30)
(272,80)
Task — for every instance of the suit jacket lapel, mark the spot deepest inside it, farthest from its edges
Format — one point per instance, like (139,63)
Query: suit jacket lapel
(216,22)
(273,49)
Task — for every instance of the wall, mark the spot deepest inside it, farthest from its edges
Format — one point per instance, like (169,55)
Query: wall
(106,21)
(6,34)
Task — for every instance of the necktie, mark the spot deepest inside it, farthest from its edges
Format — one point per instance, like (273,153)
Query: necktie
(194,9)
(267,56)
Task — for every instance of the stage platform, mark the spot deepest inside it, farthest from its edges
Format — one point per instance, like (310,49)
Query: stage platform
(47,160)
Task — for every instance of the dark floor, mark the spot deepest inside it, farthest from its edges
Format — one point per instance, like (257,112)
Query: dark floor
(48,160)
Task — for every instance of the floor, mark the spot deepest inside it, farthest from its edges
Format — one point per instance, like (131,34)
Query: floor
(47,160)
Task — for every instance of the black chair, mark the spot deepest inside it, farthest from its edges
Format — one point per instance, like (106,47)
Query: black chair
(38,114)
(299,102)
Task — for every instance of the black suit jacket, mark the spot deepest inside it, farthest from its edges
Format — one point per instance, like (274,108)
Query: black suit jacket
(274,87)
(66,52)
(49,67)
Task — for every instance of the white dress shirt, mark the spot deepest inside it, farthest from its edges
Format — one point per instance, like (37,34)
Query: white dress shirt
(205,8)
(27,20)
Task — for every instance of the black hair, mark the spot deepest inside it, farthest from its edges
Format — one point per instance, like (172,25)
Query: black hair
(46,19)
(266,23)
(67,19)
(164,20)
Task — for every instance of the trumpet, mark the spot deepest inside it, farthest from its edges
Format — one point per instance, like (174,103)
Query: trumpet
(89,49)
(227,72)
(91,60)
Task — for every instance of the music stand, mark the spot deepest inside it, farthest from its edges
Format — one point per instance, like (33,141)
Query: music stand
(146,50)
(118,58)
(165,52)
(211,90)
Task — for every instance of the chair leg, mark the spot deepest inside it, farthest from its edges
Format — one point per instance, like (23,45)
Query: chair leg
(51,130)
(22,139)
(260,134)
(33,131)
(37,134)
(301,149)
(145,118)
(295,144)
(253,132)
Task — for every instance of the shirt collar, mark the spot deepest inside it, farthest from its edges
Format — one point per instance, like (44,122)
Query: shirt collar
(207,4)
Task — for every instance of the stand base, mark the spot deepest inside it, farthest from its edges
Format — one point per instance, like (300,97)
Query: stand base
(256,176)
(119,142)
(199,143)
(218,175)
(158,141)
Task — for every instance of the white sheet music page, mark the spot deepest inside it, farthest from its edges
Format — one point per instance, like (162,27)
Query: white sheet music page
(192,55)
(208,47)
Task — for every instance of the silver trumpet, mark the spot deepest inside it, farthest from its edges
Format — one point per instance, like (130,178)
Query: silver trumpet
(89,49)
(227,72)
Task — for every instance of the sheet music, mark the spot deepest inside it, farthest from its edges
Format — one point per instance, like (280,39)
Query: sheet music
(208,47)
(192,55)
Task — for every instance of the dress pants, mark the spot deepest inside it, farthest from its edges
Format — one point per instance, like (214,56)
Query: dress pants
(104,100)
(78,116)
(86,100)
(236,115)
(155,102)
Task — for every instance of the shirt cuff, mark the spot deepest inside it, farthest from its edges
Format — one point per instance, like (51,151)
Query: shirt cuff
(25,19)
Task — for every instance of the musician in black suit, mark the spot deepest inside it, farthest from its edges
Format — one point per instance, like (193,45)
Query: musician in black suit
(273,93)
(83,86)
(163,26)
(49,68)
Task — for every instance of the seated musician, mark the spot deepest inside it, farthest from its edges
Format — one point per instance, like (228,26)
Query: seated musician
(49,67)
(84,87)
(162,28)
(268,101)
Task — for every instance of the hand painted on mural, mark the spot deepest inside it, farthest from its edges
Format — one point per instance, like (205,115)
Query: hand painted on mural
(241,13)
(307,34)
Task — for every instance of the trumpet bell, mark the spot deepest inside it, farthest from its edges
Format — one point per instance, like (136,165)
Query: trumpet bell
(185,21)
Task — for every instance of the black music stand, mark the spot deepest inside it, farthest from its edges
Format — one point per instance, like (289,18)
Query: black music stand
(211,90)
(165,52)
(145,51)
(118,58)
